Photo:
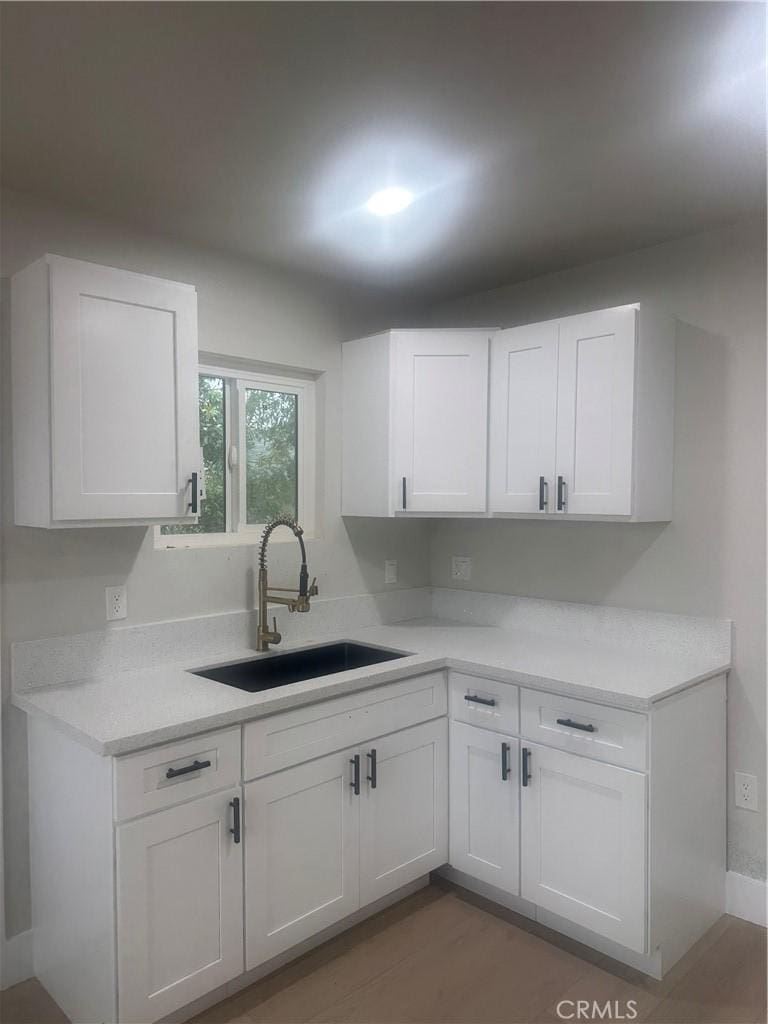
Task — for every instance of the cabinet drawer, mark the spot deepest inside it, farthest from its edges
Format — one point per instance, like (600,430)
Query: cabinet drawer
(484,702)
(595,730)
(279,741)
(163,776)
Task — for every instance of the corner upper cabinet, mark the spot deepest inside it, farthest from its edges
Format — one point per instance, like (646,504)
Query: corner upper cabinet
(582,417)
(414,423)
(104,378)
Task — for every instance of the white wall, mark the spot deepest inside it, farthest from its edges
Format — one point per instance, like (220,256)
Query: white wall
(711,559)
(54,581)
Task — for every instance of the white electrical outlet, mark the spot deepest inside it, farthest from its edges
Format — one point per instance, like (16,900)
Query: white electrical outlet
(117,602)
(390,571)
(745,791)
(461,569)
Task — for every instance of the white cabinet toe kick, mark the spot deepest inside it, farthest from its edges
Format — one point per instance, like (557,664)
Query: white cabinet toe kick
(161,877)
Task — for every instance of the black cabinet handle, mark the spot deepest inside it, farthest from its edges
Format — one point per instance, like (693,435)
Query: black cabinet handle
(562,500)
(174,773)
(543,494)
(355,783)
(404,503)
(504,762)
(526,775)
(372,778)
(235,830)
(576,725)
(488,701)
(194,492)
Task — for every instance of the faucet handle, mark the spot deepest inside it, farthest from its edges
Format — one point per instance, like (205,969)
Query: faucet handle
(312,592)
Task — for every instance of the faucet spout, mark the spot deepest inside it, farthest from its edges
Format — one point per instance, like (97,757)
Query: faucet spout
(298,603)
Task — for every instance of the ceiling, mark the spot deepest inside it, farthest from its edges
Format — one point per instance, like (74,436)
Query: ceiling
(535,135)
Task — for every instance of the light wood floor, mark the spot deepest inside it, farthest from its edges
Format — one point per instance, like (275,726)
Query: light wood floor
(444,955)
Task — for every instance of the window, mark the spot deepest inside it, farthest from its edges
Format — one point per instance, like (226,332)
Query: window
(257,438)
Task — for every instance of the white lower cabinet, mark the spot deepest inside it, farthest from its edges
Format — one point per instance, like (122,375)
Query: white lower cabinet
(146,910)
(301,861)
(583,850)
(328,836)
(179,906)
(485,806)
(404,809)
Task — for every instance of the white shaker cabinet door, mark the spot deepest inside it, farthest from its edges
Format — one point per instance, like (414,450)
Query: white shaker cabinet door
(179,906)
(440,420)
(595,413)
(403,808)
(485,806)
(301,861)
(583,827)
(124,417)
(523,419)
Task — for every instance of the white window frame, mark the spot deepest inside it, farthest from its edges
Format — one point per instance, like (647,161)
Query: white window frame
(238,530)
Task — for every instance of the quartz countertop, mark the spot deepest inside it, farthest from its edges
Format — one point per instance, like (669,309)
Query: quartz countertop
(126,711)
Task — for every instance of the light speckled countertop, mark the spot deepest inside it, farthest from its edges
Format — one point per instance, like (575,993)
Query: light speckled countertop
(123,712)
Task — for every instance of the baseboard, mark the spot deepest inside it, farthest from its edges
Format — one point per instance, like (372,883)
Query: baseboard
(17,964)
(746,898)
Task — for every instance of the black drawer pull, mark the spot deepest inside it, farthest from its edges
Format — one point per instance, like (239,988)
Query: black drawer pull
(526,775)
(569,722)
(373,777)
(235,830)
(355,783)
(174,773)
(504,762)
(488,701)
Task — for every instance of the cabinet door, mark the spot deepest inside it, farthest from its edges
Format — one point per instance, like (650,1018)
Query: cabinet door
(301,860)
(179,906)
(595,413)
(485,806)
(440,420)
(403,808)
(523,420)
(124,415)
(583,843)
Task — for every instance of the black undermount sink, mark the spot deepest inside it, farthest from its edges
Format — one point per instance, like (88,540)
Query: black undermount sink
(273,670)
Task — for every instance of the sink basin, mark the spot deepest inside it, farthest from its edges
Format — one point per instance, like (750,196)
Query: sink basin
(273,670)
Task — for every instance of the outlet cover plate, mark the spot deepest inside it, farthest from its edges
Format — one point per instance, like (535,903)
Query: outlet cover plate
(117,602)
(745,791)
(461,568)
(390,571)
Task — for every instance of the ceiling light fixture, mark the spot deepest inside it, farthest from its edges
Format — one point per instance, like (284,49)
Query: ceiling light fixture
(388,201)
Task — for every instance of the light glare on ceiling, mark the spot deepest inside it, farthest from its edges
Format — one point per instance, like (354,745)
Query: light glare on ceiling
(387,201)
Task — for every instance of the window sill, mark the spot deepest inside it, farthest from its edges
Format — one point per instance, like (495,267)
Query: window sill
(181,542)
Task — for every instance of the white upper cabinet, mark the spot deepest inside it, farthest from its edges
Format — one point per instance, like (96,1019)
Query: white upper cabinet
(595,410)
(523,423)
(582,417)
(104,367)
(440,407)
(414,423)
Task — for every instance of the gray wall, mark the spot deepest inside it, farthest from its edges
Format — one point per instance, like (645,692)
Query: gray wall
(53,581)
(710,559)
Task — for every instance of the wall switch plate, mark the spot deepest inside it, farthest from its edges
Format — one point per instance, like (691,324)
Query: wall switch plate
(117,602)
(390,571)
(461,569)
(745,791)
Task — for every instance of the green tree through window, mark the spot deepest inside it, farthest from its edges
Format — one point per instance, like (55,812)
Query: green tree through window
(271,427)
(213,517)
(268,475)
